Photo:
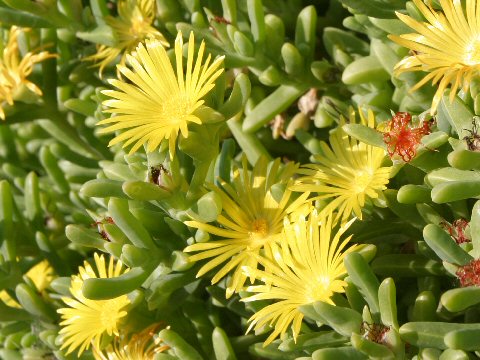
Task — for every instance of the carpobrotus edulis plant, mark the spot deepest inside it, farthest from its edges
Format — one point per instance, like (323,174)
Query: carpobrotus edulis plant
(254,180)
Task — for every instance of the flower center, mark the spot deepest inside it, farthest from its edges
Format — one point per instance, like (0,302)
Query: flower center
(174,109)
(361,181)
(258,233)
(318,289)
(110,313)
(139,27)
(472,52)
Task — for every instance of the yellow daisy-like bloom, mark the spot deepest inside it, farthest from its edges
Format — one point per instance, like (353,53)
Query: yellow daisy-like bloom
(85,321)
(157,104)
(349,172)
(447,46)
(15,69)
(41,275)
(307,267)
(251,221)
(142,346)
(132,26)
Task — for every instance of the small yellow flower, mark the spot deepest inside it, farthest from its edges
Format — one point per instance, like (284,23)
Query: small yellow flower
(349,172)
(447,46)
(41,275)
(15,70)
(86,321)
(132,26)
(307,267)
(142,346)
(158,103)
(251,221)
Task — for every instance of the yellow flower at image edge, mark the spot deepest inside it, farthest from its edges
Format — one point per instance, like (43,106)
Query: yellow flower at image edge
(15,70)
(307,267)
(132,26)
(250,222)
(41,275)
(447,46)
(348,173)
(85,320)
(158,104)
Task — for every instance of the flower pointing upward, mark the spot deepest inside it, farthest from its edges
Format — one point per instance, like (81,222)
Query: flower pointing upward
(157,104)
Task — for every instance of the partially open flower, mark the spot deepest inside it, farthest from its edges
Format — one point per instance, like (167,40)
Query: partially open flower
(132,26)
(15,69)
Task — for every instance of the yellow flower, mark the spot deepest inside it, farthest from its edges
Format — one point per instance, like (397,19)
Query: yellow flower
(86,321)
(142,346)
(447,46)
(15,70)
(41,275)
(251,221)
(132,26)
(156,104)
(307,267)
(349,172)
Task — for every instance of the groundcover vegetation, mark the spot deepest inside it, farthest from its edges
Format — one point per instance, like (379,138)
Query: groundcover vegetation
(250,179)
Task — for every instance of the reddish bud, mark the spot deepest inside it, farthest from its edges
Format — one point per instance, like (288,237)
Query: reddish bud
(401,138)
(457,230)
(469,275)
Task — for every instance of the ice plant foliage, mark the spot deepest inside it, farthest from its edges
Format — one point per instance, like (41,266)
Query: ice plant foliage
(469,275)
(307,266)
(142,346)
(132,26)
(251,221)
(157,103)
(402,138)
(85,321)
(348,172)
(14,70)
(447,46)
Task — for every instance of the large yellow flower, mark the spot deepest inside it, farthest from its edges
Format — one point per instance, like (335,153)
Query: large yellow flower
(251,221)
(15,69)
(86,321)
(348,173)
(132,26)
(447,46)
(142,346)
(157,104)
(307,267)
